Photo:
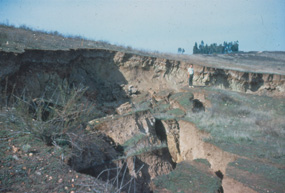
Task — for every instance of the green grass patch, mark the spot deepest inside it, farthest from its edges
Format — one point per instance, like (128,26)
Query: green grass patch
(184,99)
(204,162)
(139,144)
(132,142)
(261,177)
(188,177)
(176,112)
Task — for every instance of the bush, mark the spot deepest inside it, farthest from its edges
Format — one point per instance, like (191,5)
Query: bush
(51,122)
(3,38)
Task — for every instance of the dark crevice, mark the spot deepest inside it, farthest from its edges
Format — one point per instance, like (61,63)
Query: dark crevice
(221,190)
(160,130)
(99,157)
(220,175)
(221,78)
(256,82)
(198,106)
(161,134)
(119,149)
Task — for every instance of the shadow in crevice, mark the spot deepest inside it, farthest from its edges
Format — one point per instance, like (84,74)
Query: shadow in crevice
(160,131)
(256,82)
(142,182)
(162,136)
(35,72)
(220,175)
(198,106)
(220,78)
(98,157)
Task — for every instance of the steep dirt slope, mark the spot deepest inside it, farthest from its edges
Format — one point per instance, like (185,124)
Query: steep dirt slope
(35,69)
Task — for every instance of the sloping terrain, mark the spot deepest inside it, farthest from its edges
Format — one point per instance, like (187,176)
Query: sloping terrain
(18,39)
(103,120)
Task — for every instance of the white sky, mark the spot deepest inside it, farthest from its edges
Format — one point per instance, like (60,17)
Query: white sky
(162,25)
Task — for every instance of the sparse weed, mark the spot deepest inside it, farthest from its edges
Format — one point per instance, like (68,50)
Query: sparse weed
(121,181)
(3,38)
(142,148)
(140,144)
(134,141)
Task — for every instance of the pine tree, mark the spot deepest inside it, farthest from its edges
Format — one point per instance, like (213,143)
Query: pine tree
(226,47)
(235,47)
(195,49)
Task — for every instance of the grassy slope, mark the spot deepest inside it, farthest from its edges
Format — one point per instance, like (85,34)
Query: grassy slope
(22,38)
(18,39)
(251,127)
(188,177)
(239,122)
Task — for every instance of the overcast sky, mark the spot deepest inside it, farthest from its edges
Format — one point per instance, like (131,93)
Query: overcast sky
(162,25)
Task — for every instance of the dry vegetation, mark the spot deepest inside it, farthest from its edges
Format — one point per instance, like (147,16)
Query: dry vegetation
(18,39)
(239,121)
(43,139)
(37,139)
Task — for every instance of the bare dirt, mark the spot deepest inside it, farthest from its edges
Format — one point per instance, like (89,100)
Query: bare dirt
(146,131)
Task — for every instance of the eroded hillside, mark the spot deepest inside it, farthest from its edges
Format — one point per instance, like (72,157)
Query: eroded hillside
(38,70)
(147,131)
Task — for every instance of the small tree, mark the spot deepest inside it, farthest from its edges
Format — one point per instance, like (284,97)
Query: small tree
(235,47)
(3,38)
(195,49)
(179,50)
(201,46)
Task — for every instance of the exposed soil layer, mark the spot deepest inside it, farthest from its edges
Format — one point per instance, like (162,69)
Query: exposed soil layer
(140,136)
(38,71)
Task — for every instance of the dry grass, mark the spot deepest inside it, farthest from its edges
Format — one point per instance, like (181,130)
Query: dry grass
(239,121)
(18,39)
(35,147)
(26,38)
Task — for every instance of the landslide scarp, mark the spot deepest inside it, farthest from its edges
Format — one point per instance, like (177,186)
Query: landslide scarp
(147,126)
(36,71)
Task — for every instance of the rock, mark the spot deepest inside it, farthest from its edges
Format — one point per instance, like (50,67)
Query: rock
(124,108)
(132,90)
(15,157)
(26,148)
(15,149)
(126,127)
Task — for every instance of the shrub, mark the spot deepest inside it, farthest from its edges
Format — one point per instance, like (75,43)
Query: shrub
(49,121)
(3,38)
